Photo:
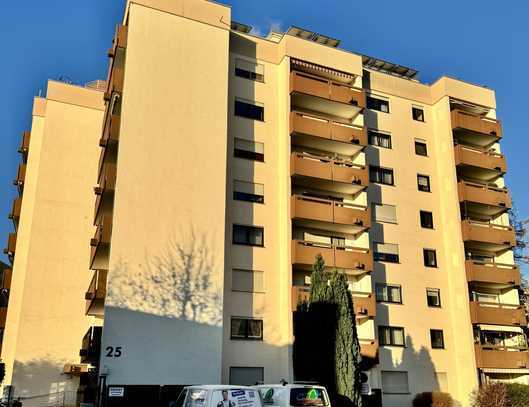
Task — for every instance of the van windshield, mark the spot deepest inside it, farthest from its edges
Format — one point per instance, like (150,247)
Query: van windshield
(308,396)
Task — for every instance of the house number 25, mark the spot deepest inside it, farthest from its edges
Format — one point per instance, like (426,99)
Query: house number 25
(113,352)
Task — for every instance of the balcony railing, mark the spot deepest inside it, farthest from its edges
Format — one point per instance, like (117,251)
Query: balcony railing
(14,215)
(321,87)
(484,194)
(344,215)
(364,303)
(24,144)
(101,241)
(116,70)
(497,314)
(110,129)
(105,188)
(91,346)
(312,125)
(462,120)
(369,348)
(6,278)
(491,236)
(95,296)
(21,176)
(501,357)
(353,259)
(496,273)
(486,164)
(329,170)
(3,317)
(11,246)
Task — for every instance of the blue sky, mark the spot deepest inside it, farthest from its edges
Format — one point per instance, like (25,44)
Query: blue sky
(484,42)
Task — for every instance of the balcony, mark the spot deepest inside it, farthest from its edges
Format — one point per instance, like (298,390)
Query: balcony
(21,177)
(11,246)
(316,94)
(369,348)
(352,260)
(474,129)
(14,215)
(320,133)
(101,244)
(486,236)
(24,144)
(110,130)
(95,296)
(501,357)
(497,314)
(318,213)
(117,63)
(3,317)
(91,346)
(328,174)
(483,199)
(105,191)
(482,165)
(364,303)
(6,278)
(498,274)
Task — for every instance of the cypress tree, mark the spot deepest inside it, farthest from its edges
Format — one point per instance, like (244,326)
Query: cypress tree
(332,315)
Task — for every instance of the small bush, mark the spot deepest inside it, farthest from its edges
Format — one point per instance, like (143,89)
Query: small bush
(433,399)
(490,395)
(518,395)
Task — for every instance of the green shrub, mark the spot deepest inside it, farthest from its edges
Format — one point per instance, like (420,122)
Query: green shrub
(490,395)
(433,399)
(517,395)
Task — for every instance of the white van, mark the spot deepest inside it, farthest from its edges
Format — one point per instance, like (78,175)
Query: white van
(219,396)
(293,395)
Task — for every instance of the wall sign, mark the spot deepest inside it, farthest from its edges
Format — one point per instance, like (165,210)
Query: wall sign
(116,391)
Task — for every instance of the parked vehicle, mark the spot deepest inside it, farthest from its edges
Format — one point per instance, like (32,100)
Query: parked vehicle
(293,395)
(219,396)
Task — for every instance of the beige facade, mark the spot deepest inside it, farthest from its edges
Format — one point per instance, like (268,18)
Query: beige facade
(52,228)
(228,161)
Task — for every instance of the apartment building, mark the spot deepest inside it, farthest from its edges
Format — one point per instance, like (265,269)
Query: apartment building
(227,162)
(48,248)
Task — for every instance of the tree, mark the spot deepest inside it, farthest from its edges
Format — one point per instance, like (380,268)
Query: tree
(328,330)
(520,230)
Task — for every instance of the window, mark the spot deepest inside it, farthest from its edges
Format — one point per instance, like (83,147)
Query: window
(248,191)
(387,252)
(249,110)
(433,297)
(379,139)
(249,70)
(417,114)
(388,293)
(245,328)
(250,150)
(384,213)
(248,235)
(381,175)
(374,103)
(250,281)
(246,376)
(391,336)
(426,219)
(395,382)
(421,148)
(430,257)
(437,338)
(423,183)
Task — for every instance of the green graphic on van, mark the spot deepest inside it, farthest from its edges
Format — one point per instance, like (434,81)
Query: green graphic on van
(269,396)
